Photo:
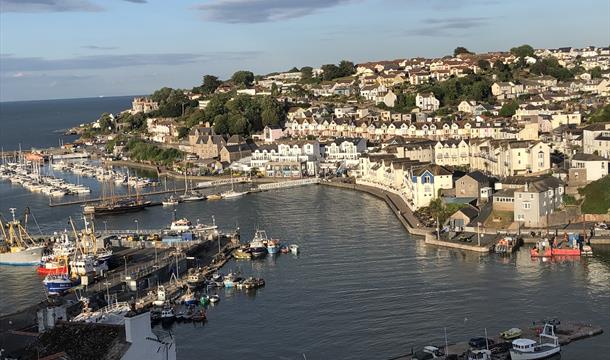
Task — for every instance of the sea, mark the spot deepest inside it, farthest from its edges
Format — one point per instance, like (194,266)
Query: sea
(361,287)
(50,119)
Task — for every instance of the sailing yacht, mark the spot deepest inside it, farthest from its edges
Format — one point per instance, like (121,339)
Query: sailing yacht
(192,195)
(230,194)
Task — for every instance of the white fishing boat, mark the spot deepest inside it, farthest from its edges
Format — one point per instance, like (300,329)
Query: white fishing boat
(161,298)
(294,248)
(181,225)
(16,246)
(527,349)
(112,314)
(170,201)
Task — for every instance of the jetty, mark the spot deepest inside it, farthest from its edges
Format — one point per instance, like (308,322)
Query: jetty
(567,332)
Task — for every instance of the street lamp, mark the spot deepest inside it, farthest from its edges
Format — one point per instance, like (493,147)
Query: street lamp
(137,226)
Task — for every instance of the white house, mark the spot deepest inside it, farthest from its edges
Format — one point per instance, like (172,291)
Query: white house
(427,101)
(346,150)
(424,182)
(287,158)
(596,166)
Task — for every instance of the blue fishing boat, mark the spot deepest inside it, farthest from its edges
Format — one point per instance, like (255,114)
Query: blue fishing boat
(57,284)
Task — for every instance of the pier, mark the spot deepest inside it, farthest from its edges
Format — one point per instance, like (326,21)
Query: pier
(288,184)
(117,197)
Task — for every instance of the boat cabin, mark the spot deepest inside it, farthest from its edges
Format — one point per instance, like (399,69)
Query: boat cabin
(524,345)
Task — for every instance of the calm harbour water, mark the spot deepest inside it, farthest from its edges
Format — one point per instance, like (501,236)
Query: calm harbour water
(361,288)
(50,119)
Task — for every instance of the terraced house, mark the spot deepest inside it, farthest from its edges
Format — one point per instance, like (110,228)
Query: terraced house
(510,157)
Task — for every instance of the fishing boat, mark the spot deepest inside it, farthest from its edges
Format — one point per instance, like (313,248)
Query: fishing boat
(181,225)
(168,315)
(199,315)
(170,201)
(527,349)
(242,254)
(113,314)
(294,248)
(229,280)
(273,246)
(188,298)
(257,246)
(195,279)
(506,245)
(57,284)
(161,298)
(17,246)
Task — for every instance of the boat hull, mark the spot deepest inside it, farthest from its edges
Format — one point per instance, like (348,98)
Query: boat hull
(27,257)
(43,270)
(119,209)
(517,355)
(554,252)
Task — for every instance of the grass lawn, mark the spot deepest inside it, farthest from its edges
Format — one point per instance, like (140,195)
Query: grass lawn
(597,196)
(499,219)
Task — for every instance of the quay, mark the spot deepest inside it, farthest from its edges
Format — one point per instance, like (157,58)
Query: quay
(118,197)
(566,332)
(136,271)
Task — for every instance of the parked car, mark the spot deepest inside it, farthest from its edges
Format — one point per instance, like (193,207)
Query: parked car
(480,342)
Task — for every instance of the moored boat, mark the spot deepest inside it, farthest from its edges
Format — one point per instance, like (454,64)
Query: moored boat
(294,249)
(512,333)
(527,349)
(17,246)
(57,284)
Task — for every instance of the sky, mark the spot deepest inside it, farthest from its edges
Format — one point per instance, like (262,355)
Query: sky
(51,49)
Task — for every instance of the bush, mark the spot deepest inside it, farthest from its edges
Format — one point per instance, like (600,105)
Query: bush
(597,196)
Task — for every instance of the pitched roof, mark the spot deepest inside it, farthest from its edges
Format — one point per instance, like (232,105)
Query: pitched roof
(478,177)
(433,169)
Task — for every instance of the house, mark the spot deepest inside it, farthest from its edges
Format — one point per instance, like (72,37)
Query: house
(208,146)
(463,217)
(510,157)
(143,105)
(424,182)
(595,167)
(596,139)
(472,184)
(272,133)
(346,150)
(507,90)
(234,152)
(452,153)
(287,158)
(161,130)
(467,106)
(536,200)
(427,101)
(390,99)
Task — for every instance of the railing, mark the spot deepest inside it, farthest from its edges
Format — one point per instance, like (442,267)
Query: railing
(290,183)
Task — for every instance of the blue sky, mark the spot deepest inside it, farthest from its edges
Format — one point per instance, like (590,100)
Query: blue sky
(78,48)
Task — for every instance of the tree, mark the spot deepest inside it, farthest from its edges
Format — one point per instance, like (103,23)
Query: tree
(596,72)
(330,72)
(306,72)
(210,84)
(243,78)
(221,124)
(183,131)
(294,69)
(460,50)
(483,64)
(274,90)
(522,51)
(238,124)
(602,115)
(346,68)
(509,109)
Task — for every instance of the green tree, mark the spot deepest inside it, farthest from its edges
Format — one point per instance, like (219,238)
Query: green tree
(346,68)
(483,64)
(221,124)
(274,90)
(509,108)
(294,69)
(243,78)
(210,84)
(306,72)
(330,72)
(602,115)
(596,72)
(238,124)
(522,51)
(460,50)
(183,131)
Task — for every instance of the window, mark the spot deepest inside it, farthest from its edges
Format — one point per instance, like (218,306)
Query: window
(426,179)
(531,196)
(520,217)
(527,205)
